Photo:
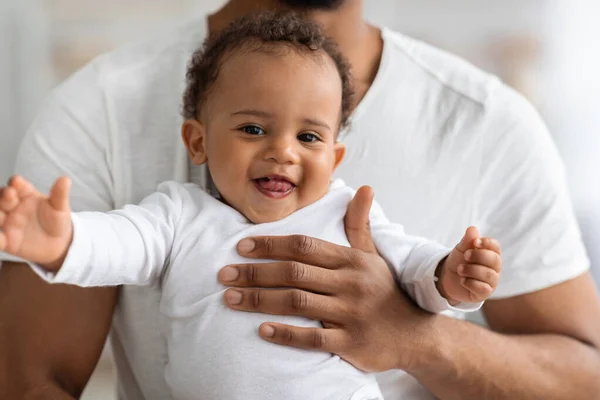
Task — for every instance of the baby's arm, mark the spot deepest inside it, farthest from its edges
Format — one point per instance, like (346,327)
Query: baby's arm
(126,246)
(417,263)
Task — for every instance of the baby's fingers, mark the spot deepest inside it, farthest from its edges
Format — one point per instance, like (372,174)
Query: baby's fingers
(480,273)
(23,187)
(8,199)
(59,194)
(2,241)
(471,234)
(485,257)
(480,291)
(489,244)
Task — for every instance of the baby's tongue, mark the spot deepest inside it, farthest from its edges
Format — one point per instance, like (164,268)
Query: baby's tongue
(275,185)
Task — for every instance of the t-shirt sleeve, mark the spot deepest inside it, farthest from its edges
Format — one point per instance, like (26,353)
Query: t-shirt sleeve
(413,261)
(523,200)
(72,135)
(130,246)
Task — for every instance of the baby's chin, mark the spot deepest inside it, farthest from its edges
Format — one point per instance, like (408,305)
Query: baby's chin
(264,216)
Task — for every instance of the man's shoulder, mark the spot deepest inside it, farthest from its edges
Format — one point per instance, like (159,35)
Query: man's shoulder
(466,92)
(163,52)
(440,68)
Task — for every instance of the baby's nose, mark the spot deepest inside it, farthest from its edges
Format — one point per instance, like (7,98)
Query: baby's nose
(283,151)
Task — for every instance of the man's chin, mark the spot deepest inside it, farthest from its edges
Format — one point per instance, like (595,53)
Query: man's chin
(313,4)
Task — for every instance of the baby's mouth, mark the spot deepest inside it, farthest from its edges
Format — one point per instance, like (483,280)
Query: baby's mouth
(276,187)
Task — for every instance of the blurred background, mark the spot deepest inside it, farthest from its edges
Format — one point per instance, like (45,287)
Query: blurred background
(547,49)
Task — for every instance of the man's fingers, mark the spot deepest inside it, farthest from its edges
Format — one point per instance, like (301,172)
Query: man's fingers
(2,218)
(59,194)
(308,250)
(357,221)
(281,274)
(300,248)
(285,302)
(467,240)
(484,257)
(319,339)
(480,273)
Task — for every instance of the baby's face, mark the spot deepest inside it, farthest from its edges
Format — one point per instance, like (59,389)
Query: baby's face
(268,132)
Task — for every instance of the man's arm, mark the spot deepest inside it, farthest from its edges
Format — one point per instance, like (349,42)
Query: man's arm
(51,336)
(546,344)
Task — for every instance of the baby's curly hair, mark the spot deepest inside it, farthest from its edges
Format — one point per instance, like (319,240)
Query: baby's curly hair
(260,32)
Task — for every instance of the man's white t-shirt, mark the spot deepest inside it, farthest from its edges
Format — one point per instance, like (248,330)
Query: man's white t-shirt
(443,144)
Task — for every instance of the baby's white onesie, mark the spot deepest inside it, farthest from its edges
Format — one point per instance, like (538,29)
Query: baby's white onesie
(181,237)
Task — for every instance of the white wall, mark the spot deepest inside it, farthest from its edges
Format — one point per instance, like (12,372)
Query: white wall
(573,109)
(8,125)
(25,73)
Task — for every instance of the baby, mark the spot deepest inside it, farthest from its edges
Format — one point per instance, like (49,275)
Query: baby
(265,101)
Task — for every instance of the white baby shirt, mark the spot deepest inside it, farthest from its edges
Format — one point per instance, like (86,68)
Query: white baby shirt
(181,237)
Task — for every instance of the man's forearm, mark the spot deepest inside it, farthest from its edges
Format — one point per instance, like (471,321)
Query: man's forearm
(43,391)
(51,336)
(470,362)
(27,382)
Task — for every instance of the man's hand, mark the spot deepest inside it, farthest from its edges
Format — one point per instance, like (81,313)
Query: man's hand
(367,321)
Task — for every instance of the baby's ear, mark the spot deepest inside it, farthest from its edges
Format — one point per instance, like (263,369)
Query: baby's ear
(340,151)
(194,137)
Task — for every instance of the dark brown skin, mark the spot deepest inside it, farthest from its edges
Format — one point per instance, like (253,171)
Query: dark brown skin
(51,336)
(545,345)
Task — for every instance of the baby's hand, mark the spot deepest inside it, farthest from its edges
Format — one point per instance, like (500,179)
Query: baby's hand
(33,226)
(472,270)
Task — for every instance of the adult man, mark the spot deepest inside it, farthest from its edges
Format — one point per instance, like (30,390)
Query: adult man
(427,130)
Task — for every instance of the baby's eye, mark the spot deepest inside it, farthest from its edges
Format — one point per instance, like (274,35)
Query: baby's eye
(253,130)
(308,137)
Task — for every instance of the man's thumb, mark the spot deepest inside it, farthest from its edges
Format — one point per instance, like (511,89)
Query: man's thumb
(357,220)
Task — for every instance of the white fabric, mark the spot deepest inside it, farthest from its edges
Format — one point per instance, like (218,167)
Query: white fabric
(181,237)
(443,144)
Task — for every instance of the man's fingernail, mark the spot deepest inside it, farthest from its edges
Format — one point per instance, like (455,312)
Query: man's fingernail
(478,242)
(267,331)
(229,274)
(233,297)
(246,246)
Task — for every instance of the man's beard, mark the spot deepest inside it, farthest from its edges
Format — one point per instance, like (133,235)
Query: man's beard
(313,4)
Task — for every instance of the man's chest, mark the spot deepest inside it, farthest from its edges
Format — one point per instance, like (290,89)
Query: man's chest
(425,185)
